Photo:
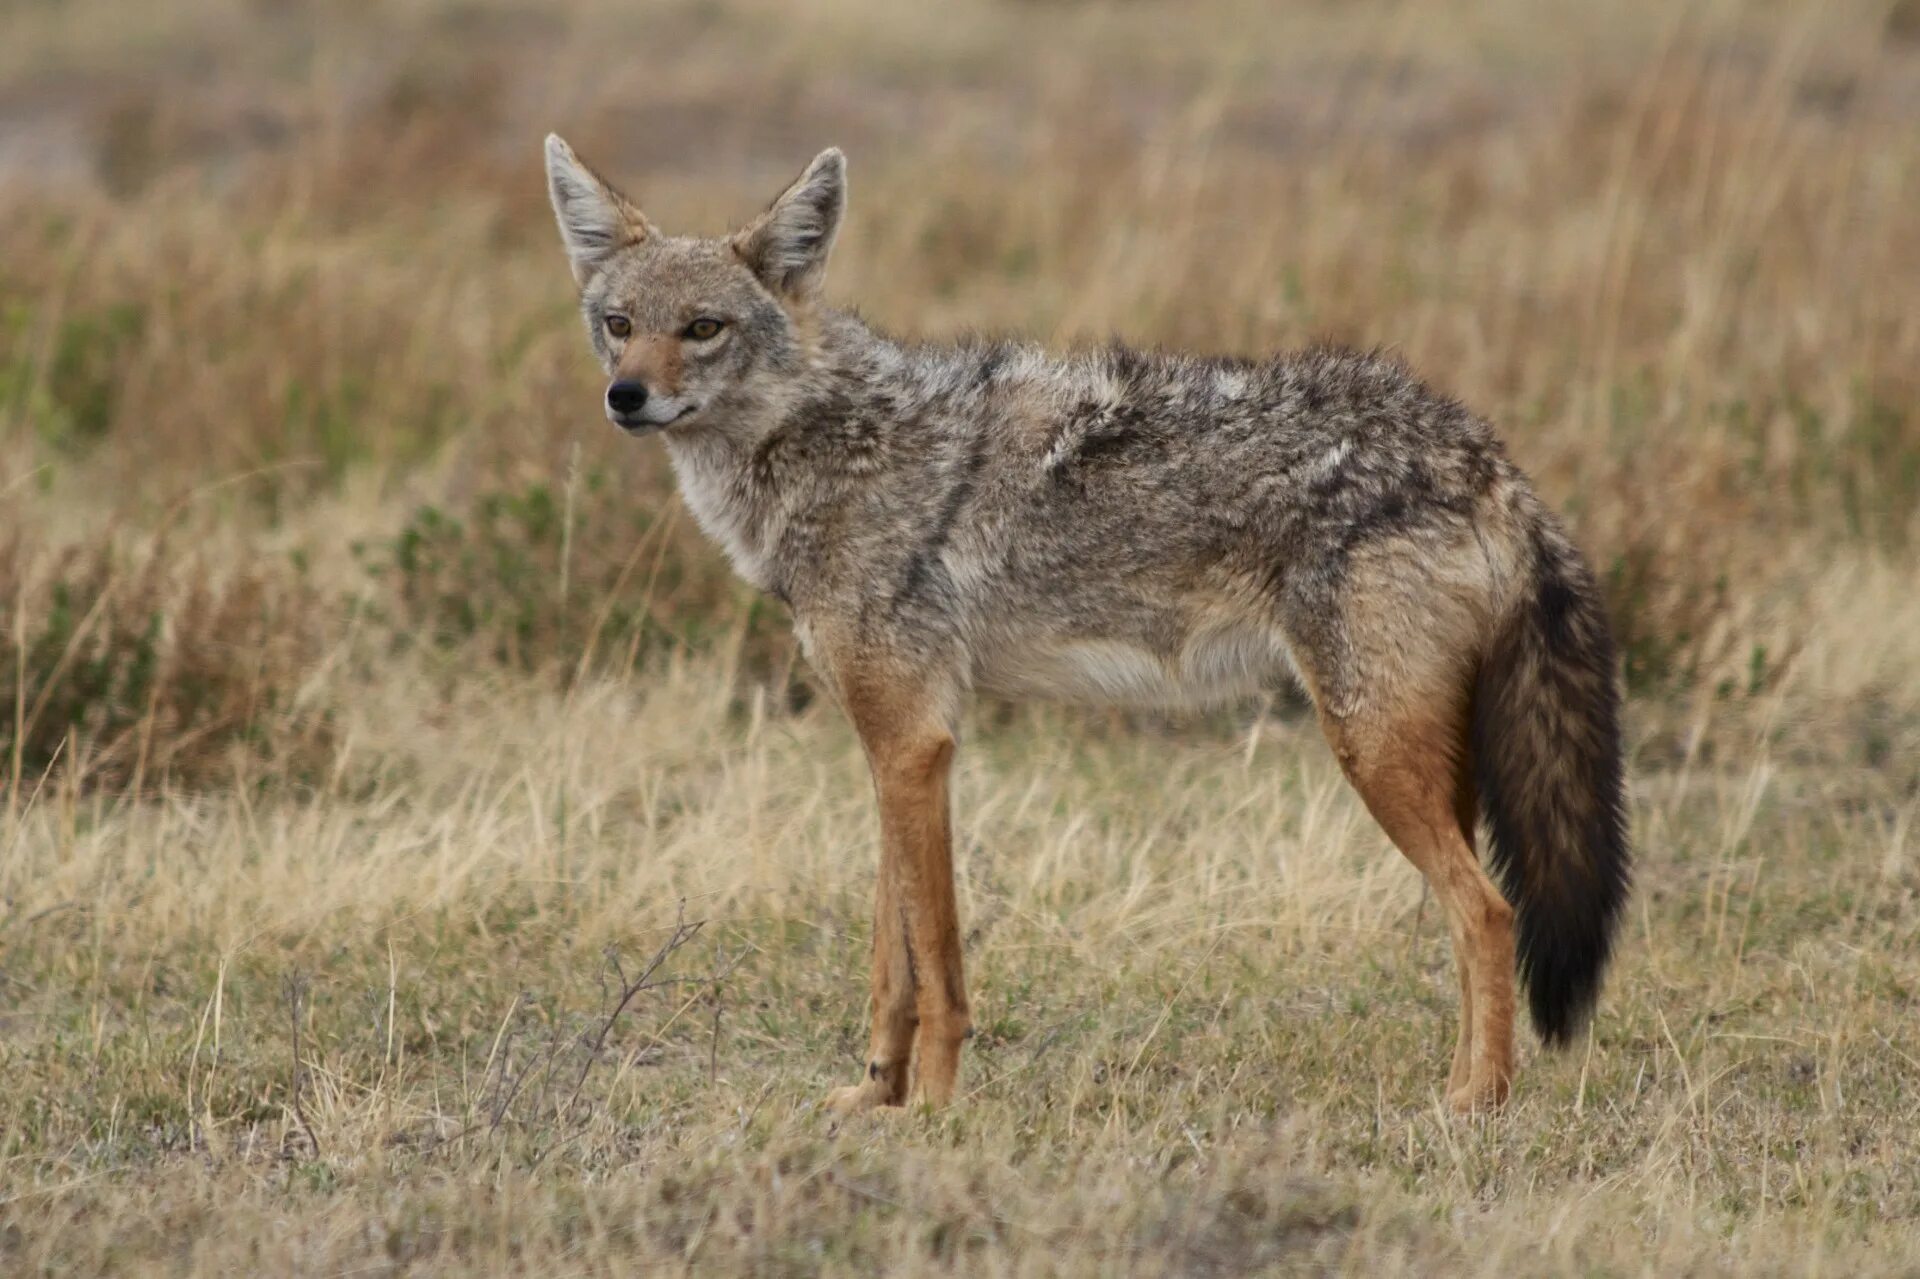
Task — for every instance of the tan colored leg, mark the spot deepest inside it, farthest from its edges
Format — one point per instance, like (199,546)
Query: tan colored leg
(1461,1075)
(919,987)
(1407,775)
(1466,815)
(890,1048)
(915,821)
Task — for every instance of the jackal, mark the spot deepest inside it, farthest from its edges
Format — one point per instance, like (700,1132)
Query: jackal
(1122,526)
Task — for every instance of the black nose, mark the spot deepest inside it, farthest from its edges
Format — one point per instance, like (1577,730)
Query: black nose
(627,397)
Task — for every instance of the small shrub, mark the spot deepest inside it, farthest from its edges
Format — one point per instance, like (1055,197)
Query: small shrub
(532,580)
(70,392)
(1657,620)
(126,669)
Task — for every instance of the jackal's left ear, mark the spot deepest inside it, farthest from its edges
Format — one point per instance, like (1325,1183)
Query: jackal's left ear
(595,220)
(787,246)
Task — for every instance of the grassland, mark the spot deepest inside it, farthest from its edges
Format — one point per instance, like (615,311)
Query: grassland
(417,855)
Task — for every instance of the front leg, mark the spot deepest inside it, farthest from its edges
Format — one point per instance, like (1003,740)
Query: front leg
(892,1010)
(918,984)
(917,835)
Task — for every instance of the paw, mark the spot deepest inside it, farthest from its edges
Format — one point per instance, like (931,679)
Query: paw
(858,1099)
(1472,1099)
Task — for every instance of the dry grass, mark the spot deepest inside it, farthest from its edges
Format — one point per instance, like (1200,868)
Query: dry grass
(370,717)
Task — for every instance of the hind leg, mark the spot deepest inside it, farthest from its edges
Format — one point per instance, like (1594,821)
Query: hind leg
(1465,812)
(1388,640)
(1462,1073)
(1407,769)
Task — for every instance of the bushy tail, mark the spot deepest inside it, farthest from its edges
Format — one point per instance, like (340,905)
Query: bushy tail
(1547,764)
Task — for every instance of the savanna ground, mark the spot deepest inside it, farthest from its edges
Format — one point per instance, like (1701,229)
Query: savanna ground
(372,717)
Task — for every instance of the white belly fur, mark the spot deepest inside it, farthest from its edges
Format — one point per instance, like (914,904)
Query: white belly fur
(1214,666)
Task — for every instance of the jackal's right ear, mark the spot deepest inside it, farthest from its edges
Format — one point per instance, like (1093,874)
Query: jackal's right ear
(595,220)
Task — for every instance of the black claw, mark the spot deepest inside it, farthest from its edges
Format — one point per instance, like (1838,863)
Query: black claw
(873,1070)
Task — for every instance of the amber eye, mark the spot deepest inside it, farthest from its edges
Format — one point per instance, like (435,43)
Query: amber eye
(619,325)
(705,329)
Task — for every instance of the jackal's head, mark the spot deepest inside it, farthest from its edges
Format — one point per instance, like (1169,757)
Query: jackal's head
(691,331)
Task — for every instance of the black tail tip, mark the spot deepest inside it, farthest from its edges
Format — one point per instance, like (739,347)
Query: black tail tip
(1558,1025)
(1561,996)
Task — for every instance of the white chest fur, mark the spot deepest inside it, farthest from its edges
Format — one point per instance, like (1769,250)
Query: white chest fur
(713,490)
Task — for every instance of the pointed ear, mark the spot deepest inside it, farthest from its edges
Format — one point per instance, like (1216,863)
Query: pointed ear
(787,246)
(595,220)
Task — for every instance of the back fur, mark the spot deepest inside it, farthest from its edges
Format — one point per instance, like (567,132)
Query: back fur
(1546,751)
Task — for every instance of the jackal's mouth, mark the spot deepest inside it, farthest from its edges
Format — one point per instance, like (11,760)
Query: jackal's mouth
(639,424)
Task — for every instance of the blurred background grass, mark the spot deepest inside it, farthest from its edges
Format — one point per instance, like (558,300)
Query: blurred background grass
(279,277)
